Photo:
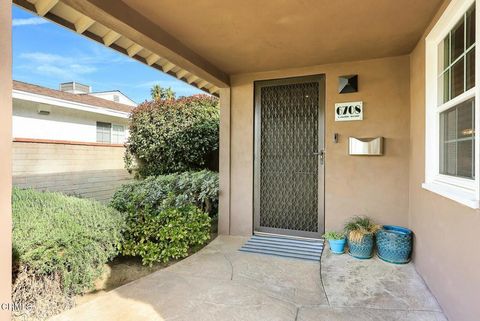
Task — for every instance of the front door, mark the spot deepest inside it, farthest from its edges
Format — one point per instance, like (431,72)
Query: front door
(289,158)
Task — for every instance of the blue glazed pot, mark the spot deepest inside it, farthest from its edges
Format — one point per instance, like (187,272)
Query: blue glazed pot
(394,244)
(337,246)
(363,249)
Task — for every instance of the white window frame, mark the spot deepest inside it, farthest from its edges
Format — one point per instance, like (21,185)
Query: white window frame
(124,130)
(462,190)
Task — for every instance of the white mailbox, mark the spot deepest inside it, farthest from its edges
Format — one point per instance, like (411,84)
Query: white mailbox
(365,146)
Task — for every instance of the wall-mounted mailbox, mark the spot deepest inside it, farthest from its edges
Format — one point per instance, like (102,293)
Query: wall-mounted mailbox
(365,146)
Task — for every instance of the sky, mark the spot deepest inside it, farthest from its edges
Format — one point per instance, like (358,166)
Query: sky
(47,54)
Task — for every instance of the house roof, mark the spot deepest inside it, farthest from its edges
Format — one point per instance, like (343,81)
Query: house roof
(79,98)
(113,91)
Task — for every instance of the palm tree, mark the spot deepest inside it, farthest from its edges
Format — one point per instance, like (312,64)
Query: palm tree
(158,92)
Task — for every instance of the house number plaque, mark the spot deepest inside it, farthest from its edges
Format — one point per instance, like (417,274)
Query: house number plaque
(349,111)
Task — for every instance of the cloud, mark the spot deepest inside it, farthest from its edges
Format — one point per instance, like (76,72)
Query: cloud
(42,57)
(54,65)
(28,21)
(69,72)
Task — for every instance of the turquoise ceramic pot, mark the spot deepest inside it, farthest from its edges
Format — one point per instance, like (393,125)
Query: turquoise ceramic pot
(363,249)
(337,246)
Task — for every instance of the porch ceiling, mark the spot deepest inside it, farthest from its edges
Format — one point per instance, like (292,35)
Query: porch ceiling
(202,42)
(251,35)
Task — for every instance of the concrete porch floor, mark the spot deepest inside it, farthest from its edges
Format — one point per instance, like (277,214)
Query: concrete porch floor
(221,283)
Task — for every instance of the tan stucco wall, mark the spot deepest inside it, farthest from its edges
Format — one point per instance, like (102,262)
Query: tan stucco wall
(446,233)
(374,186)
(5,154)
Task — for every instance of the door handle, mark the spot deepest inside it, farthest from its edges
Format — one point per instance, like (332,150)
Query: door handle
(321,153)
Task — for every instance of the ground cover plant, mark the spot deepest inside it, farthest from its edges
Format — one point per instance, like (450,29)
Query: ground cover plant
(61,244)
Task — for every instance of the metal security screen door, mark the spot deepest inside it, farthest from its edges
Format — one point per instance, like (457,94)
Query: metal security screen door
(289,178)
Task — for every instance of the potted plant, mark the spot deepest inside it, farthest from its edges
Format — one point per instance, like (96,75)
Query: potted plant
(360,231)
(336,240)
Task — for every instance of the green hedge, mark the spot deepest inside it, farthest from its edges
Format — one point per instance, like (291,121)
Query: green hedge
(167,215)
(64,236)
(165,233)
(174,135)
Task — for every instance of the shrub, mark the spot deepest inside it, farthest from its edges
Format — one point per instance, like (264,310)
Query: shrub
(168,214)
(61,243)
(173,135)
(197,188)
(164,233)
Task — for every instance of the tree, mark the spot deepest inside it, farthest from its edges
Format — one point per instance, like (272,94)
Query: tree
(159,93)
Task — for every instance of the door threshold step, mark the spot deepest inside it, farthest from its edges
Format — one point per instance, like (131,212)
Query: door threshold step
(284,247)
(275,242)
(286,240)
(288,255)
(285,250)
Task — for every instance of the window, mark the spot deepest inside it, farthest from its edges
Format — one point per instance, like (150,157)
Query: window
(110,134)
(451,151)
(118,134)
(116,98)
(457,141)
(104,132)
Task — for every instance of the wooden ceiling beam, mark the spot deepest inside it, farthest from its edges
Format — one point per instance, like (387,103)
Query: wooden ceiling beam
(182,73)
(153,58)
(82,24)
(44,6)
(168,66)
(134,49)
(110,37)
(117,15)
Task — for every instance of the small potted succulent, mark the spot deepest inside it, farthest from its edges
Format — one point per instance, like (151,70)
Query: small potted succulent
(360,231)
(336,240)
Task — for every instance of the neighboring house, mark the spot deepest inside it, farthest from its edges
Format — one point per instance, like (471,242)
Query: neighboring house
(69,140)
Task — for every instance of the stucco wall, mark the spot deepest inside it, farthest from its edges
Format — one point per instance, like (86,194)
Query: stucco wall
(60,124)
(446,233)
(374,186)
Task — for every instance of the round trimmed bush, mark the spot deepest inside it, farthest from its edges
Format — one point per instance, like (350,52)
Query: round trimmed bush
(173,135)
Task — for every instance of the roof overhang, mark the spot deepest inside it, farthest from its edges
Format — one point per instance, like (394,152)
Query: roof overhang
(116,26)
(204,42)
(47,100)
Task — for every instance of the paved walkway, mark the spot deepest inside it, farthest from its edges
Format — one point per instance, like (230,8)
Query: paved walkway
(221,283)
